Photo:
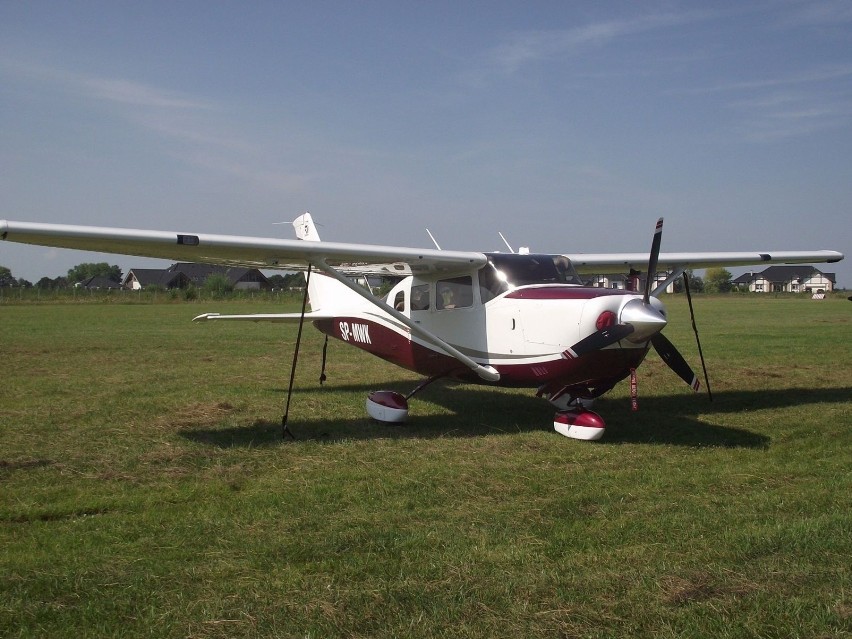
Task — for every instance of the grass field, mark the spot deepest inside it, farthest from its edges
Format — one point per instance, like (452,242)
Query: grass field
(145,490)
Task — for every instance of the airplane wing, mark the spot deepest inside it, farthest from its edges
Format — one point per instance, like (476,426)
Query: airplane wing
(235,250)
(623,262)
(356,259)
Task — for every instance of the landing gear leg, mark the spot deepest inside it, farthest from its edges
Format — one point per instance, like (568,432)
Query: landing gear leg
(563,400)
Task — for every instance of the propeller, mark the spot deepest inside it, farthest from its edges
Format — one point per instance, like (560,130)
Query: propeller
(599,340)
(642,322)
(665,349)
(674,360)
(652,260)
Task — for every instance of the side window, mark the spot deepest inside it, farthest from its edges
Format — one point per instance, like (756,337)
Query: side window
(420,297)
(399,302)
(455,293)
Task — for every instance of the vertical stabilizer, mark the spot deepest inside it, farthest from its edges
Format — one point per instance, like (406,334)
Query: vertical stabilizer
(324,292)
(305,228)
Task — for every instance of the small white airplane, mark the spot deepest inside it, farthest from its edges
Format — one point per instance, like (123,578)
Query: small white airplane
(508,319)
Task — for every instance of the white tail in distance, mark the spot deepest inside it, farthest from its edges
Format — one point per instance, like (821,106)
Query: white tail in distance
(325,293)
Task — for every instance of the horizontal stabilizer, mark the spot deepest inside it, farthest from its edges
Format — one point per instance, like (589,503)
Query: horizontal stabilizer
(263,317)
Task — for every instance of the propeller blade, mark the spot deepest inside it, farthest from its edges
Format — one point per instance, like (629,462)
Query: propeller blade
(652,260)
(674,360)
(695,330)
(599,340)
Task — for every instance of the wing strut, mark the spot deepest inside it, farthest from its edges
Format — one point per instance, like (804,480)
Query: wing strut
(285,429)
(488,373)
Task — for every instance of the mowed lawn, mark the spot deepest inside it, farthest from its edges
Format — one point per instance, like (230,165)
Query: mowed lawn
(145,490)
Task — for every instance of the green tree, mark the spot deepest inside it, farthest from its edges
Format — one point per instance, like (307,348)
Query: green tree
(288,281)
(217,285)
(696,284)
(717,280)
(277,280)
(49,284)
(6,278)
(87,270)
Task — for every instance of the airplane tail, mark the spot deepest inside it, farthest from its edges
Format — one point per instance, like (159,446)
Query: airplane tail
(324,292)
(305,228)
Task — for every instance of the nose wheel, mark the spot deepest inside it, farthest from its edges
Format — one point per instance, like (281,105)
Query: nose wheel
(579,423)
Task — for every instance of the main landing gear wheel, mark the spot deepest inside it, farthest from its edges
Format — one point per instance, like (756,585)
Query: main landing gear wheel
(388,407)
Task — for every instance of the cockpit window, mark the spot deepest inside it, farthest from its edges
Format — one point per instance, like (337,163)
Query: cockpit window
(506,271)
(491,282)
(455,293)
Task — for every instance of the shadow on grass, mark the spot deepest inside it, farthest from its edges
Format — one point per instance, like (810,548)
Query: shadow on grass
(478,411)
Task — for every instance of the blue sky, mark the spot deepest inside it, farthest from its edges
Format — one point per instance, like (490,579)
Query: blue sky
(568,126)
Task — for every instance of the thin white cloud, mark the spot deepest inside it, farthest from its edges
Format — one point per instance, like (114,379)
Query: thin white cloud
(785,106)
(815,13)
(818,74)
(135,94)
(119,91)
(521,49)
(787,116)
(193,130)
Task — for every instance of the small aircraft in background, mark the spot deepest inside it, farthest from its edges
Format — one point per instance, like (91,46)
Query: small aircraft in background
(508,319)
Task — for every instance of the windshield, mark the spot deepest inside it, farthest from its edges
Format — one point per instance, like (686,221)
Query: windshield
(506,271)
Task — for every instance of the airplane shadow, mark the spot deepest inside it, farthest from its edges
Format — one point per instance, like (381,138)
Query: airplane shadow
(475,411)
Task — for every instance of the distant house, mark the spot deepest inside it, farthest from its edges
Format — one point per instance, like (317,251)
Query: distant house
(787,279)
(98,282)
(608,280)
(141,278)
(620,281)
(183,274)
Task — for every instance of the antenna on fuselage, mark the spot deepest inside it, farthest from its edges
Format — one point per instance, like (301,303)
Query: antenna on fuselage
(434,241)
(508,246)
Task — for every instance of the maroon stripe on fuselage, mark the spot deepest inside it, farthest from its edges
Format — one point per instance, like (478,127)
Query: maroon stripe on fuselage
(589,369)
(390,345)
(563,293)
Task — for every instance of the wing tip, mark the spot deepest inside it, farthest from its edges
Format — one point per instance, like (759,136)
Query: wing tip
(204,317)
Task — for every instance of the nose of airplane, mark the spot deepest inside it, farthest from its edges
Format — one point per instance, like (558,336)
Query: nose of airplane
(647,319)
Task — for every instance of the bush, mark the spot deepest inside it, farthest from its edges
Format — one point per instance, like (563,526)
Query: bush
(217,286)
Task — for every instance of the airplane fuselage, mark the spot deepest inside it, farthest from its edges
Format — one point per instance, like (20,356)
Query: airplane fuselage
(524,332)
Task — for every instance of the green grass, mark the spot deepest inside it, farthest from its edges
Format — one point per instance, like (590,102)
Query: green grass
(145,489)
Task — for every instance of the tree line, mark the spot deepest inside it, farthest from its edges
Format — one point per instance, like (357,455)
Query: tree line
(79,273)
(87,270)
(715,280)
